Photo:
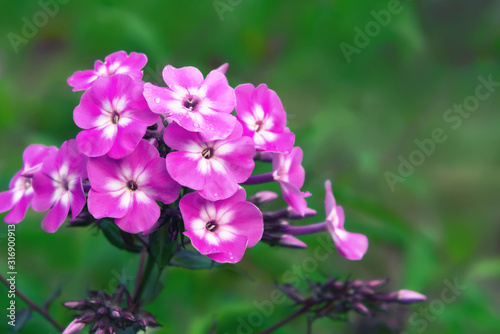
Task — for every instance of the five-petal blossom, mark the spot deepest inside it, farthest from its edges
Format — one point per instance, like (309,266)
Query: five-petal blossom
(213,167)
(115,63)
(58,185)
(261,113)
(196,104)
(222,229)
(127,189)
(19,197)
(114,116)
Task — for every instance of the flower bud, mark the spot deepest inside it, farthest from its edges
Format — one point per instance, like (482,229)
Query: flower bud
(74,327)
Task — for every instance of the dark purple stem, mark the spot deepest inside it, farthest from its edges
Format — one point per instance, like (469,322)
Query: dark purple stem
(306,229)
(260,178)
(292,316)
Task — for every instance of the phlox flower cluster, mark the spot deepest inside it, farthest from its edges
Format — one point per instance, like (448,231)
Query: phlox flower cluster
(187,146)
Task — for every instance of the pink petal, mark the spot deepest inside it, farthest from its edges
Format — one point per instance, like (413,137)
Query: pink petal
(134,163)
(160,99)
(293,196)
(178,138)
(157,183)
(232,249)
(82,80)
(105,174)
(6,200)
(128,135)
(183,167)
(109,204)
(272,106)
(329,199)
(70,155)
(19,209)
(246,220)
(77,200)
(118,56)
(44,192)
(276,142)
(213,125)
(98,141)
(142,214)
(56,216)
(222,68)
(219,96)
(219,183)
(33,157)
(237,157)
(186,77)
(88,114)
(352,246)
(133,64)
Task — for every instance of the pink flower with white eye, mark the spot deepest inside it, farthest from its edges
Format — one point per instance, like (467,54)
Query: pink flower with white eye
(288,171)
(263,118)
(18,198)
(58,185)
(115,63)
(222,229)
(197,104)
(352,246)
(213,167)
(114,116)
(127,189)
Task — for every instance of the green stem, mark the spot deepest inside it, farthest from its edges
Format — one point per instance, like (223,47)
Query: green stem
(143,276)
(33,306)
(292,316)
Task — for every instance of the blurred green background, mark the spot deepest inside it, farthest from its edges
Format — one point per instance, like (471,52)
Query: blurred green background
(354,116)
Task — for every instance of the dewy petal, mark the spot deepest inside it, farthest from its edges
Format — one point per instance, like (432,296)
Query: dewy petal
(219,183)
(233,248)
(134,163)
(109,204)
(237,157)
(142,214)
(213,125)
(161,100)
(183,78)
(56,215)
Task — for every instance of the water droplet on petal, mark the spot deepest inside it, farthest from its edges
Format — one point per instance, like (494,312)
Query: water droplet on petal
(196,125)
(157,100)
(215,195)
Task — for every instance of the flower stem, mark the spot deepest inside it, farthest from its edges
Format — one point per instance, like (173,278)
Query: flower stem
(306,229)
(33,306)
(260,178)
(143,276)
(292,316)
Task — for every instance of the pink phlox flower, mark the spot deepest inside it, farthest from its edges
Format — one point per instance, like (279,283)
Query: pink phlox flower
(196,104)
(114,116)
(213,167)
(288,171)
(18,197)
(222,229)
(115,63)
(352,246)
(261,113)
(58,185)
(127,189)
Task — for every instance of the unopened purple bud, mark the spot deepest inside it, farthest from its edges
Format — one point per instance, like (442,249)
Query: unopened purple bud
(362,309)
(74,326)
(409,297)
(100,331)
(375,284)
(102,311)
(128,316)
(143,323)
(153,142)
(263,197)
(111,330)
(76,305)
(291,242)
(115,313)
(87,317)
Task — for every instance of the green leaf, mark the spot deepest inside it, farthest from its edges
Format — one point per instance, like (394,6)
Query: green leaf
(119,238)
(191,260)
(22,318)
(162,247)
(51,298)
